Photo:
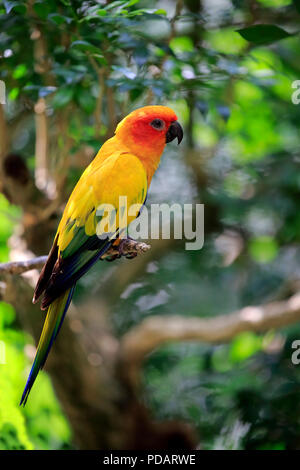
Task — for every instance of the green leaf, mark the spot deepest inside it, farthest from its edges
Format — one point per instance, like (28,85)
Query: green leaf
(9,6)
(101,12)
(263,249)
(245,345)
(7,314)
(14,93)
(62,97)
(86,100)
(160,11)
(42,9)
(16,6)
(86,46)
(263,33)
(275,3)
(59,19)
(19,72)
(115,4)
(181,44)
(131,3)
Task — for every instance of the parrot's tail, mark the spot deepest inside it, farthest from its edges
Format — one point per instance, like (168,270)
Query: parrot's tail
(55,316)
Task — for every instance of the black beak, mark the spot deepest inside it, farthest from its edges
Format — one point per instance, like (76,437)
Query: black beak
(175,130)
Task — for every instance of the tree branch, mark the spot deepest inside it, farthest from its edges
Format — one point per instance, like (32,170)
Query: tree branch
(157,330)
(129,247)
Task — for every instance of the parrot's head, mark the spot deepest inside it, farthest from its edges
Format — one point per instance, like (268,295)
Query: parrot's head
(146,130)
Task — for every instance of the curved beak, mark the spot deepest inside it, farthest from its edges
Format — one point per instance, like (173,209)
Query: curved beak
(175,130)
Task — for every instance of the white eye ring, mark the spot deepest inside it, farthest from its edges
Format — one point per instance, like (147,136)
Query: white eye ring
(157,124)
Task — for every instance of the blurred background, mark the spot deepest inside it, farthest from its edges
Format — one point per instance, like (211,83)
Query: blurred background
(72,70)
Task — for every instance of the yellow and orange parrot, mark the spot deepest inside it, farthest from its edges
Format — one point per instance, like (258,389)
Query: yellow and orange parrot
(124,166)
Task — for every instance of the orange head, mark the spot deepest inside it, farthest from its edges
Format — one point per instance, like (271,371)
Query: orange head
(145,132)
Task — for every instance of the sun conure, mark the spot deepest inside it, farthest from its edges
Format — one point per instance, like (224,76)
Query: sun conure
(124,166)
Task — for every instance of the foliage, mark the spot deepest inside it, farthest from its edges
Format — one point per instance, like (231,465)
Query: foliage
(9,216)
(227,70)
(45,426)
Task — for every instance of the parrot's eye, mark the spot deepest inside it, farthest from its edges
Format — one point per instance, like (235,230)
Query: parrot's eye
(157,124)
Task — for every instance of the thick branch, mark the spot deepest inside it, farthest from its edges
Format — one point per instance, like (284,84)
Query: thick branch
(157,330)
(129,247)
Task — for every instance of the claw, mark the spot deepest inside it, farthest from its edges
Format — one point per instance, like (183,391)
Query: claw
(130,255)
(112,257)
(119,247)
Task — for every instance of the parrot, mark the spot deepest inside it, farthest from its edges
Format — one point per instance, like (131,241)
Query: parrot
(123,167)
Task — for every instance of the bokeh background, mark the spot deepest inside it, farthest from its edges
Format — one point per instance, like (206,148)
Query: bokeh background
(72,70)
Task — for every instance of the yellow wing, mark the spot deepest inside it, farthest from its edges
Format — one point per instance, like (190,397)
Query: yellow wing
(99,208)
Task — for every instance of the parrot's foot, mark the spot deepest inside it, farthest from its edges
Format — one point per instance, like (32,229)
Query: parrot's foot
(120,247)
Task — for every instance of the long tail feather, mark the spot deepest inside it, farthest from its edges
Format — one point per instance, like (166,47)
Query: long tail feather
(54,319)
